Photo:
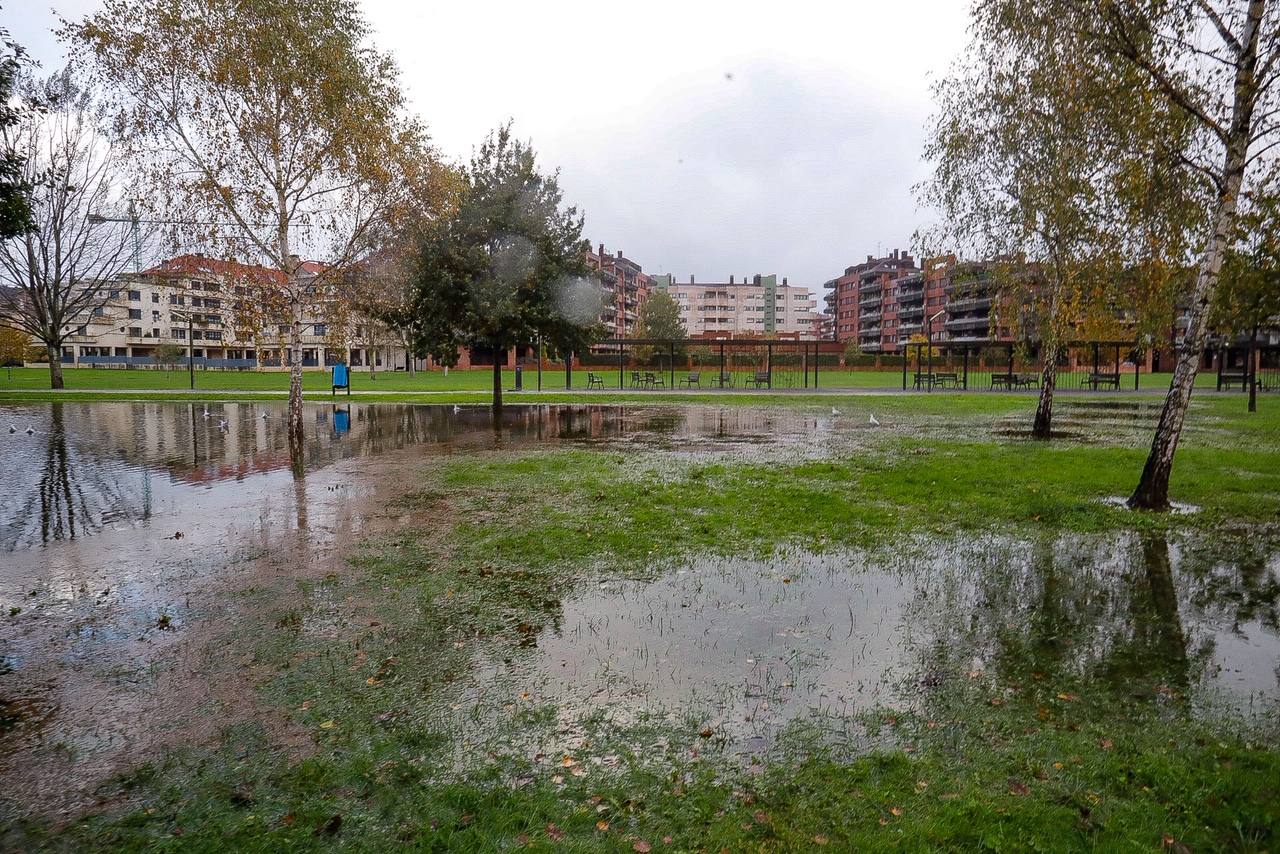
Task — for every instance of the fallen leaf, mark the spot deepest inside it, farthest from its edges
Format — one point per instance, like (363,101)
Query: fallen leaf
(568,762)
(373,680)
(706,732)
(1070,698)
(522,840)
(641,846)
(1017,787)
(1106,743)
(602,825)
(996,701)
(895,811)
(554,833)
(820,840)
(329,724)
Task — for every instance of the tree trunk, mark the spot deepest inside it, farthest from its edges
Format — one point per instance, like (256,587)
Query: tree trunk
(1251,369)
(295,371)
(1152,492)
(371,354)
(497,383)
(55,366)
(1043,426)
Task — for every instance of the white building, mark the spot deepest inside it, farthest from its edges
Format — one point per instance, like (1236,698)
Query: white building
(760,307)
(231,324)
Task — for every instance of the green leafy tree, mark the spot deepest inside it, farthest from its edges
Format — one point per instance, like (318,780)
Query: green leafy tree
(268,127)
(506,267)
(15,213)
(660,318)
(170,354)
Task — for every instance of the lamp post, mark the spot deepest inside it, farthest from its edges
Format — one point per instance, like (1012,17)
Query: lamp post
(191,363)
(928,335)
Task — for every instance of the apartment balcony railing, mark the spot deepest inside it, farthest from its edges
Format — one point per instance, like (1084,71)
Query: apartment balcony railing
(970,303)
(869,287)
(966,324)
(871,302)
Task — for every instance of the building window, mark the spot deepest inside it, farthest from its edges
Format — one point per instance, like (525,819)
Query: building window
(174,299)
(320,329)
(155,297)
(135,296)
(99,312)
(135,314)
(178,333)
(212,335)
(135,331)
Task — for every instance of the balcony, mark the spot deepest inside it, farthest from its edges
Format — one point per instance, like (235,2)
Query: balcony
(871,302)
(872,287)
(969,303)
(910,312)
(969,324)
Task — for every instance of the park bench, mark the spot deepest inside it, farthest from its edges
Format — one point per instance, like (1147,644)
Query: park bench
(594,380)
(1096,380)
(726,379)
(694,379)
(944,379)
(1230,378)
(653,379)
(636,381)
(759,379)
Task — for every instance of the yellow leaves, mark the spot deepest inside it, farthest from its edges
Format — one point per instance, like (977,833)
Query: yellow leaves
(895,811)
(602,825)
(1068,698)
(820,839)
(329,724)
(568,762)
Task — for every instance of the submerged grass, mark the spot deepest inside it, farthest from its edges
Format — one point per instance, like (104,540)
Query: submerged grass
(409,746)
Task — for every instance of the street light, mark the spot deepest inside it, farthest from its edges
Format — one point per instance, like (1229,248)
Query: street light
(191,364)
(928,333)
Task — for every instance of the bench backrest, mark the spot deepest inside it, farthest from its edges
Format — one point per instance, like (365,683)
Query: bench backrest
(695,375)
(762,376)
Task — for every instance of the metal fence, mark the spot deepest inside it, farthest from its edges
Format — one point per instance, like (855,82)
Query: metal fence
(1089,365)
(751,363)
(1235,365)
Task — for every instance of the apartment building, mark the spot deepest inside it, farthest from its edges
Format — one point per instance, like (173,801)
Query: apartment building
(216,310)
(861,303)
(625,286)
(757,306)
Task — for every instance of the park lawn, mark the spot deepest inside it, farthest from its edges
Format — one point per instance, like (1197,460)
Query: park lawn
(1008,765)
(480,379)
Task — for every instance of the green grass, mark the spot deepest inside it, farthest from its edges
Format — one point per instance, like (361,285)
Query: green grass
(374,666)
(114,379)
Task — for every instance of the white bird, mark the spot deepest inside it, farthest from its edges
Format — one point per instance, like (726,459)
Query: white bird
(873,422)
(264,413)
(835,411)
(456,409)
(206,410)
(222,424)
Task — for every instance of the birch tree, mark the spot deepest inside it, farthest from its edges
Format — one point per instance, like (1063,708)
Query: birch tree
(1215,62)
(268,127)
(1028,173)
(58,271)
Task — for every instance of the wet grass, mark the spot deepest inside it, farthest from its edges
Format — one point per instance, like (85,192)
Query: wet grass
(408,745)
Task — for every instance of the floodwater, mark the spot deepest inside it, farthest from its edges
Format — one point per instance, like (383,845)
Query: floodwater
(132,534)
(747,646)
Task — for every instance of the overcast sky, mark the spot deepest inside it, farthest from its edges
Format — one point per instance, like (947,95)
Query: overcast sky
(698,137)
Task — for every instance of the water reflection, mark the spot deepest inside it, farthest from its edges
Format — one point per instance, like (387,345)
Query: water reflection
(753,644)
(92,465)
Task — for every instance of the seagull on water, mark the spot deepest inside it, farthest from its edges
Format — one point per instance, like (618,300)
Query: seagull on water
(264,413)
(222,424)
(456,409)
(206,410)
(873,422)
(835,412)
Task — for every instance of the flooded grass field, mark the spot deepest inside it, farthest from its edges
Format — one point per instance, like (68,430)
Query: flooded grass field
(455,633)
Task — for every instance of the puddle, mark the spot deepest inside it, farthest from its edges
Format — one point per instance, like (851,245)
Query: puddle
(748,646)
(94,466)
(1177,508)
